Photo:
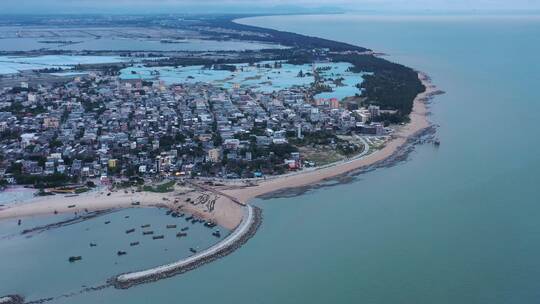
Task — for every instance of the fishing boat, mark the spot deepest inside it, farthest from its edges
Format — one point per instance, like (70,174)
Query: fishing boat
(74,258)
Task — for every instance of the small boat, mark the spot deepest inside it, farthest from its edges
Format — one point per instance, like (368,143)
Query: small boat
(158,237)
(216,234)
(437,142)
(189,218)
(135,204)
(181,234)
(19,223)
(71,206)
(182,215)
(210,224)
(121,253)
(145,226)
(130,230)
(194,221)
(192,250)
(148,232)
(127,216)
(74,258)
(174,214)
(185,229)
(107,222)
(168,212)
(171,226)
(134,244)
(93,244)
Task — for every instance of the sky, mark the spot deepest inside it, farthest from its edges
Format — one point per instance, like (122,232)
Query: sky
(251,6)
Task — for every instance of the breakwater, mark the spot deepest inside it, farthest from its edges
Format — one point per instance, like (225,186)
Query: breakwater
(244,231)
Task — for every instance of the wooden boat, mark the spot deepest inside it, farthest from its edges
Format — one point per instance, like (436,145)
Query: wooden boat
(74,258)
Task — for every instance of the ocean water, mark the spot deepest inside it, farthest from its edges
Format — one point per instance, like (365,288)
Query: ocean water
(457,224)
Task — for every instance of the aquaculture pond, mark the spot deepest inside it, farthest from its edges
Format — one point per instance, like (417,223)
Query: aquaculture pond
(261,77)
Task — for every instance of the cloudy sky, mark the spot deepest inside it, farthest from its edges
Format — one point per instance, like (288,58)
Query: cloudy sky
(182,6)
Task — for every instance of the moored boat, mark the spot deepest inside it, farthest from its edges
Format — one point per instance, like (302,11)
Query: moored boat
(74,258)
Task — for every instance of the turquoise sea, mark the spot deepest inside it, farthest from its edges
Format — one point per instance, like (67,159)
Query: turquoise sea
(457,224)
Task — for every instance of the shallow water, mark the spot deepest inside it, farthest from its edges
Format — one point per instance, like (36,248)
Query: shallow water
(259,79)
(42,267)
(127,44)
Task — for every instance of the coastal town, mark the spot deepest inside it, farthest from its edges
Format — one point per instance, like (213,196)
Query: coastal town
(99,127)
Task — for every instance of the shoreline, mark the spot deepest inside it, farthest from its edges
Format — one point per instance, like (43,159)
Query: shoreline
(391,152)
(233,194)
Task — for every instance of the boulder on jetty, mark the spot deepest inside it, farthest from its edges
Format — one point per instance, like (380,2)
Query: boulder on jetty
(11,299)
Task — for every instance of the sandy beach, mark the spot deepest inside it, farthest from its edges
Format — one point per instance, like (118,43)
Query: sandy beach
(225,211)
(418,122)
